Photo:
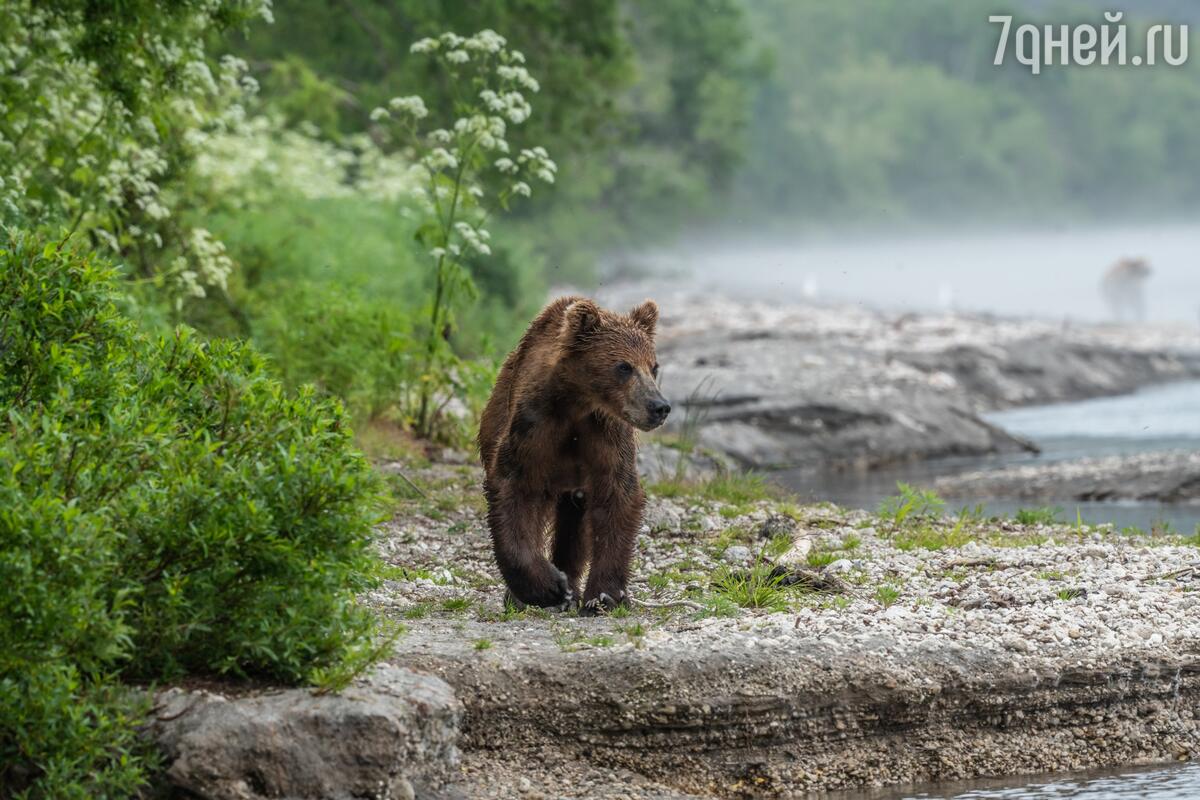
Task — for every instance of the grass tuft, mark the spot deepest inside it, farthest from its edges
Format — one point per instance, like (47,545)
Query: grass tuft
(1038,516)
(731,488)
(756,587)
(887,595)
(932,537)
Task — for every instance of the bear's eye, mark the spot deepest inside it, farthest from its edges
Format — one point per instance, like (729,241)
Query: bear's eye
(654,371)
(624,369)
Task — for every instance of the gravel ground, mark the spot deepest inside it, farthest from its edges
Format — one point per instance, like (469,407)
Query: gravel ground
(1002,598)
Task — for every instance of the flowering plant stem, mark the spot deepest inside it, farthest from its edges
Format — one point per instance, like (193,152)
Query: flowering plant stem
(439,321)
(468,171)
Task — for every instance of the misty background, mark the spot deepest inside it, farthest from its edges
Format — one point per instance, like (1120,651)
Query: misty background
(867,152)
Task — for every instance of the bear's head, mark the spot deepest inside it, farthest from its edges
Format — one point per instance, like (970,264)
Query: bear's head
(611,357)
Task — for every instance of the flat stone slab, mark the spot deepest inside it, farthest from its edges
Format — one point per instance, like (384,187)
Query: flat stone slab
(391,735)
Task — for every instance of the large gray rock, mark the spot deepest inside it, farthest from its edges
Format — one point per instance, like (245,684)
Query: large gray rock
(392,735)
(818,386)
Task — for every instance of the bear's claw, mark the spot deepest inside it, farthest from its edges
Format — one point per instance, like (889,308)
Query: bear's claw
(601,604)
(567,603)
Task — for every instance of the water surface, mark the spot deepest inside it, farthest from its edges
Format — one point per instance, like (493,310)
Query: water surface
(1157,418)
(1176,782)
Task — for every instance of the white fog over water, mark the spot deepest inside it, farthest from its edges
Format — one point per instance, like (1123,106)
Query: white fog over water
(1052,273)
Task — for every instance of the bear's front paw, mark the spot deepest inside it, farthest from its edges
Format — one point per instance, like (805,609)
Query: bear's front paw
(550,589)
(603,603)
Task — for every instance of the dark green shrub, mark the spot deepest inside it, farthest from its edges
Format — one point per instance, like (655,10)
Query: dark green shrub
(165,508)
(250,529)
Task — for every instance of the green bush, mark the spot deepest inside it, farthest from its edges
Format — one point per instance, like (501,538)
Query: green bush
(345,343)
(165,508)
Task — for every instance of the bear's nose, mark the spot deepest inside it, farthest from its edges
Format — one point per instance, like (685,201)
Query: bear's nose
(658,409)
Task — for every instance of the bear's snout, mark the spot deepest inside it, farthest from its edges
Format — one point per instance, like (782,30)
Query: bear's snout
(657,411)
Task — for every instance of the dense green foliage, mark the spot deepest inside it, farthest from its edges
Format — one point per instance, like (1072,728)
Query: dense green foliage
(831,112)
(893,112)
(643,104)
(165,508)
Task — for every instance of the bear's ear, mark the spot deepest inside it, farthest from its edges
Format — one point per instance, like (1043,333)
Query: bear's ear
(582,318)
(645,317)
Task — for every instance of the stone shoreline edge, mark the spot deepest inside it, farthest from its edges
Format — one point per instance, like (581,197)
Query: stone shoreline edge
(758,722)
(774,722)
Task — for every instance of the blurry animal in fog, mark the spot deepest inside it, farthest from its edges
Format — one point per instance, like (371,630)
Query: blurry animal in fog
(1124,289)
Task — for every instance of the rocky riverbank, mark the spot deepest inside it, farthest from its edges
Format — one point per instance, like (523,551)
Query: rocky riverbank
(1171,477)
(828,387)
(777,649)
(773,649)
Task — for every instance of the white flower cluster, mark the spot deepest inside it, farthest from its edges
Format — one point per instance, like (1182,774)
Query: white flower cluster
(537,161)
(511,105)
(72,151)
(251,165)
(473,237)
(485,131)
(205,264)
(412,106)
(518,75)
(458,163)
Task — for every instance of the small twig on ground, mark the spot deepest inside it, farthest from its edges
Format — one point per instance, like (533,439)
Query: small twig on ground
(669,604)
(409,481)
(816,522)
(1189,569)
(984,561)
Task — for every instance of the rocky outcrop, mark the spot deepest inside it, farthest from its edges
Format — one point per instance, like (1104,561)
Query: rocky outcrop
(843,386)
(1172,477)
(392,735)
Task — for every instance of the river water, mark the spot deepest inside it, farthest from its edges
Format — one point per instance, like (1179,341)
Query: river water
(1176,782)
(1157,418)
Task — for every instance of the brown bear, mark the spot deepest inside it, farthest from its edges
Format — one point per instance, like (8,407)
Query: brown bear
(557,443)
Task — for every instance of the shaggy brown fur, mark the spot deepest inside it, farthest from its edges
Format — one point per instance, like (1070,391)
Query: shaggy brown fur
(558,446)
